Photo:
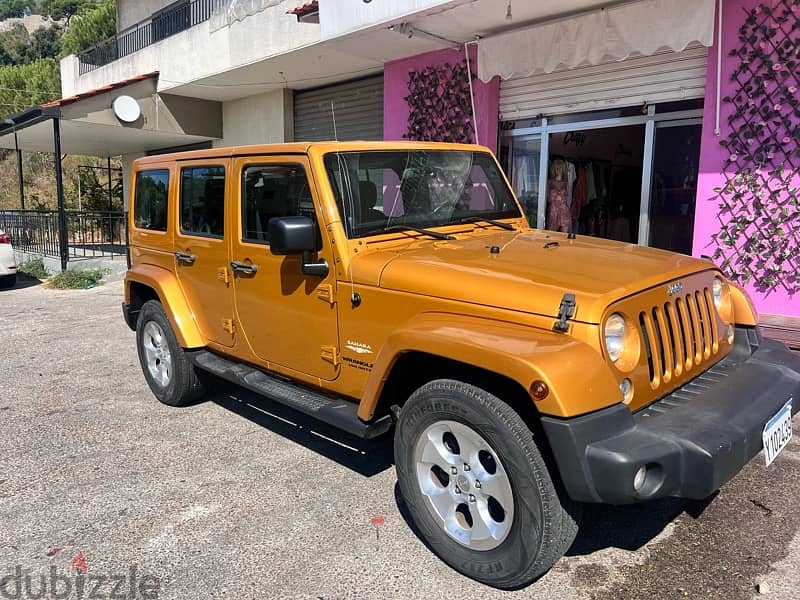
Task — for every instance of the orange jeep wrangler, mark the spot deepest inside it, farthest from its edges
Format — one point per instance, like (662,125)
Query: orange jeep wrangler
(398,284)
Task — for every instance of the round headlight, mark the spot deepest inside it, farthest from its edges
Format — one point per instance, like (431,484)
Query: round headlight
(721,294)
(615,333)
(622,343)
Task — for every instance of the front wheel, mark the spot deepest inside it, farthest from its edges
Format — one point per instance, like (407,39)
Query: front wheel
(171,377)
(477,487)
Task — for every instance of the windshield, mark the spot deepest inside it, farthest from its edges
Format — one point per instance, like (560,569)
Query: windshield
(376,190)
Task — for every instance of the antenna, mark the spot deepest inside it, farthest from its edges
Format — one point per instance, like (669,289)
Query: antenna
(333,115)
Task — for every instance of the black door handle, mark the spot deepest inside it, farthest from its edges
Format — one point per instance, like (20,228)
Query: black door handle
(250,269)
(185,257)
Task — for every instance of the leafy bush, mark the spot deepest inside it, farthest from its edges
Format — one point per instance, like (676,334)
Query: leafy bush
(33,268)
(77,279)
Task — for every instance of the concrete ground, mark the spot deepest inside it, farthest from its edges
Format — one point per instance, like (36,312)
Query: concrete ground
(238,498)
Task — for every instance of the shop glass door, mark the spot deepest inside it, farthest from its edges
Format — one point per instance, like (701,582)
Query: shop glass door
(525,161)
(676,160)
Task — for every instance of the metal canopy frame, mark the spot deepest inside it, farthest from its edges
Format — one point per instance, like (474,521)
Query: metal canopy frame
(28,118)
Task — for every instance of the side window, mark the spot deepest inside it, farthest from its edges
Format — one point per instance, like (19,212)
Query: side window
(150,200)
(203,201)
(272,191)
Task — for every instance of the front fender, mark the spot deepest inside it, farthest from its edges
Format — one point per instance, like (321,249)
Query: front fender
(577,376)
(164,283)
(744,311)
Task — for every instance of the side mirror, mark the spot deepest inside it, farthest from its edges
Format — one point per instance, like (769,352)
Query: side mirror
(291,235)
(296,235)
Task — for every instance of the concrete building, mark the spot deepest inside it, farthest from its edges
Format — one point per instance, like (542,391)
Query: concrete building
(642,101)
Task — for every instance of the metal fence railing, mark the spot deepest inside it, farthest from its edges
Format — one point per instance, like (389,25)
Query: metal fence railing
(90,234)
(147,32)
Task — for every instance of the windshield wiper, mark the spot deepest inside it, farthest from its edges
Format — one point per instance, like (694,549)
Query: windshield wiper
(434,234)
(500,224)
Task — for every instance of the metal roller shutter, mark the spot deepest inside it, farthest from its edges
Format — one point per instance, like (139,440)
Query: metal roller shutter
(662,77)
(358,106)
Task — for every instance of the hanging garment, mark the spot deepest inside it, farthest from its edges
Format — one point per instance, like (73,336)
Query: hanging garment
(579,198)
(572,175)
(558,214)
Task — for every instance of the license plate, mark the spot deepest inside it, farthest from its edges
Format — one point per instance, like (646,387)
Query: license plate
(777,432)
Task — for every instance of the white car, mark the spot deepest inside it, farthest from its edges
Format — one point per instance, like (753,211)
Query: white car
(8,266)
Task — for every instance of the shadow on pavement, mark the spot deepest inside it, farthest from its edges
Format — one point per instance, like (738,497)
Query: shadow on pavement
(630,527)
(23,281)
(366,457)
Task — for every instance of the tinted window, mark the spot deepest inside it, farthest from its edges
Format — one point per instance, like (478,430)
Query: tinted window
(203,200)
(150,202)
(419,188)
(272,191)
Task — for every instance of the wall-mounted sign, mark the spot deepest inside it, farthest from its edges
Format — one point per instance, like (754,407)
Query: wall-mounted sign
(126,109)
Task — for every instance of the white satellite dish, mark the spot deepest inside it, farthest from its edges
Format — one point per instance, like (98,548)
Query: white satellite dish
(126,109)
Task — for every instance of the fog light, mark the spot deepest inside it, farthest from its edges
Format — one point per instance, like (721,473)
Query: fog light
(626,387)
(730,333)
(639,479)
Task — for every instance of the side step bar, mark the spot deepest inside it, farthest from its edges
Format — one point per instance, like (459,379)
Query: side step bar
(335,412)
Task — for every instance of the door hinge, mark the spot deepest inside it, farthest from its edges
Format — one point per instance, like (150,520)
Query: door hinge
(222,275)
(325,292)
(330,354)
(228,325)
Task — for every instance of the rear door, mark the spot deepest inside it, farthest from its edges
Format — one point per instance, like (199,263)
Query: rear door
(289,319)
(201,250)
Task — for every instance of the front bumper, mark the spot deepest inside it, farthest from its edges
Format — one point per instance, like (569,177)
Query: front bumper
(691,441)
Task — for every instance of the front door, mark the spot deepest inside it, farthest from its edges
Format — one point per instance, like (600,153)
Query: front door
(201,251)
(288,318)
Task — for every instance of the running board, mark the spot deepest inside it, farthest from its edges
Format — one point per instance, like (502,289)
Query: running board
(335,412)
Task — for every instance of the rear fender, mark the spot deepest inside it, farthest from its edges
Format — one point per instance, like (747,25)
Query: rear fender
(166,286)
(577,376)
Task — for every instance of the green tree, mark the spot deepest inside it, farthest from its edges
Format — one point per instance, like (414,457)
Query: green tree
(13,8)
(45,43)
(14,43)
(29,84)
(64,10)
(90,27)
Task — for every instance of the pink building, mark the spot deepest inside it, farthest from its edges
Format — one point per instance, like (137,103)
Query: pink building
(658,150)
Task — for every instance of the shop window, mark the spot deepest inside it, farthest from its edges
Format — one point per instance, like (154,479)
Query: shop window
(150,200)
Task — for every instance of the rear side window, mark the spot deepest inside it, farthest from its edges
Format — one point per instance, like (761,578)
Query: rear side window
(150,201)
(203,201)
(273,191)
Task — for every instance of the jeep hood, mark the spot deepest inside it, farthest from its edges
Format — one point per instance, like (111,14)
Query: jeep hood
(529,271)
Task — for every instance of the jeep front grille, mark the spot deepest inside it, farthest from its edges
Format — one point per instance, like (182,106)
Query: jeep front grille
(679,336)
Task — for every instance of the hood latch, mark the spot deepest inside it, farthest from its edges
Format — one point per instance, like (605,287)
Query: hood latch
(565,312)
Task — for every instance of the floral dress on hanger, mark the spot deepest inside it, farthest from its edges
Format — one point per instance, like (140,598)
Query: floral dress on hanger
(558,212)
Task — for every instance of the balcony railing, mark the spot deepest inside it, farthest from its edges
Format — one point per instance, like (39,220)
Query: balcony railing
(145,33)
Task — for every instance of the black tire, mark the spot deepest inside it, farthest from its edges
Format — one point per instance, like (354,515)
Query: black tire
(184,385)
(8,281)
(545,520)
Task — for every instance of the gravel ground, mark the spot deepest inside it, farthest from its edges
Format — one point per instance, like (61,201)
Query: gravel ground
(239,498)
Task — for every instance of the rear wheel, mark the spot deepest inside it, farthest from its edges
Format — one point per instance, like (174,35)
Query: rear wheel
(171,376)
(8,281)
(477,486)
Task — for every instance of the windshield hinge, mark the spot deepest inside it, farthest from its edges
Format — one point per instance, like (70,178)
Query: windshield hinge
(565,312)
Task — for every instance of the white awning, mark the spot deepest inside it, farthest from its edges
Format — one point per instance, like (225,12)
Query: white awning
(637,28)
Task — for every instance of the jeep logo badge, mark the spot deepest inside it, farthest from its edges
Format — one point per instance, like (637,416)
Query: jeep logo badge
(674,288)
